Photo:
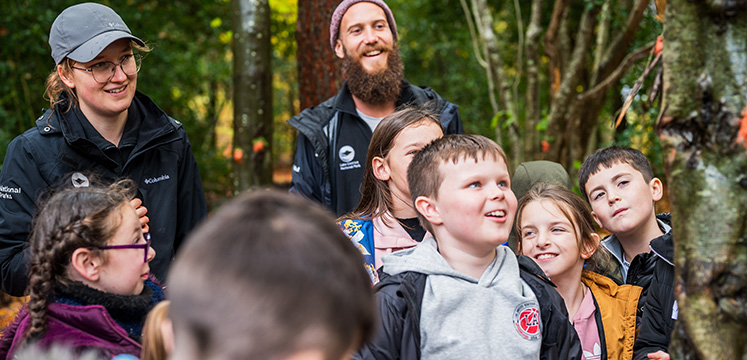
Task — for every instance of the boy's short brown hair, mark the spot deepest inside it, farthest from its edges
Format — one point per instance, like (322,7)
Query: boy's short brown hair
(268,276)
(424,175)
(611,155)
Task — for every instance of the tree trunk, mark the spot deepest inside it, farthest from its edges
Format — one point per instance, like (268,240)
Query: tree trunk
(484,20)
(704,130)
(318,73)
(252,138)
(533,113)
(565,98)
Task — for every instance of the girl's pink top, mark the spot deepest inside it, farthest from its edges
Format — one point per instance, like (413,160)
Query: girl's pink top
(586,326)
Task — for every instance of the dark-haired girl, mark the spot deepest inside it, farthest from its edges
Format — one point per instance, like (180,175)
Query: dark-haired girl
(384,220)
(89,282)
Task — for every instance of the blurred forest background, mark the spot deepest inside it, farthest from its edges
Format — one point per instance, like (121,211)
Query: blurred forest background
(545,79)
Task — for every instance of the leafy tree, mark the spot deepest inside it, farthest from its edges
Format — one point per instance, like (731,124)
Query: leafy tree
(567,59)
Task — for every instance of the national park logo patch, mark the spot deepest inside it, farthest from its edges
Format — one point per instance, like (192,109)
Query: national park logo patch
(527,321)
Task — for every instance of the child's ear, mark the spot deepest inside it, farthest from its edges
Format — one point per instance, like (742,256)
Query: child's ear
(657,189)
(86,264)
(380,168)
(427,207)
(591,247)
(596,219)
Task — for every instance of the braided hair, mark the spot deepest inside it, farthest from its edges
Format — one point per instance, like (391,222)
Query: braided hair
(70,219)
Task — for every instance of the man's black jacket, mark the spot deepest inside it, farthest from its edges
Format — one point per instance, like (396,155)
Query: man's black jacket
(318,128)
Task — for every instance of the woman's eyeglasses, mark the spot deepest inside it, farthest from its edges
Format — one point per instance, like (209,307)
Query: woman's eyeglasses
(104,71)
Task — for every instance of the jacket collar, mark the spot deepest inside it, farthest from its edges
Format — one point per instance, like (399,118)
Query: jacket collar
(154,125)
(663,246)
(154,120)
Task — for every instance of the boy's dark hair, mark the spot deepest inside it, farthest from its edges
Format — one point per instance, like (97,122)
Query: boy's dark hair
(269,275)
(609,156)
(376,196)
(424,175)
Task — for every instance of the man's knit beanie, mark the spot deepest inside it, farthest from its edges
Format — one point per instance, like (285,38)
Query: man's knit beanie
(334,25)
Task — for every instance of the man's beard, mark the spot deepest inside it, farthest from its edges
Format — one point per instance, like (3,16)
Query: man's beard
(381,88)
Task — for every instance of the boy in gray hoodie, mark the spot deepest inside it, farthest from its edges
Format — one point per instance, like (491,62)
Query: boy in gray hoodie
(459,294)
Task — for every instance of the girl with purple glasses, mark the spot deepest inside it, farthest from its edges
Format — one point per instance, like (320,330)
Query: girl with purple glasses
(89,282)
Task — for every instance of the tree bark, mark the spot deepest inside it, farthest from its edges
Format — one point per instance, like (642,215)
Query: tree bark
(551,49)
(534,30)
(318,73)
(564,98)
(703,127)
(252,94)
(484,21)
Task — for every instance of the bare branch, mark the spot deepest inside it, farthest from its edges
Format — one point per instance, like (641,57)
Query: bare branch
(472,34)
(551,49)
(534,30)
(624,66)
(519,55)
(619,45)
(561,100)
(603,32)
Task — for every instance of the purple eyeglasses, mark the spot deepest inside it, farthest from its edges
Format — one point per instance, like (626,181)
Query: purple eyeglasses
(133,246)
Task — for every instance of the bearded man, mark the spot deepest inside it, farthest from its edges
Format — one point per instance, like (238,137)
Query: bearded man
(333,137)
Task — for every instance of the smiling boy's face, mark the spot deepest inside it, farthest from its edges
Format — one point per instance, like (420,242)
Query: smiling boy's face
(475,205)
(621,198)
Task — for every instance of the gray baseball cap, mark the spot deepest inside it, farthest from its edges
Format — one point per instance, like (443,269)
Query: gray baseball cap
(83,31)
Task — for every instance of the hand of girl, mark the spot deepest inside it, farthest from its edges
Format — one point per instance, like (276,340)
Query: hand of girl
(141,210)
(659,355)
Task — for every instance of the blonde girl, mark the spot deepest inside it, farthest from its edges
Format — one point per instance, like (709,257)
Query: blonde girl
(556,229)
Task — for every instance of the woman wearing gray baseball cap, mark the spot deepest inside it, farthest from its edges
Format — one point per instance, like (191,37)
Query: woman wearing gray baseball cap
(100,128)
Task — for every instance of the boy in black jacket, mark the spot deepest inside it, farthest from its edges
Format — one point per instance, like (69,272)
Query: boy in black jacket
(459,294)
(620,186)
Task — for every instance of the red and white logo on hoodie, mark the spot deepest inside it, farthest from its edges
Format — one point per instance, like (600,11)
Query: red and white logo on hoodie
(527,321)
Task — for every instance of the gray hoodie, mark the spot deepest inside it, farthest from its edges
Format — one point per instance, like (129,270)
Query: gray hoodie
(496,316)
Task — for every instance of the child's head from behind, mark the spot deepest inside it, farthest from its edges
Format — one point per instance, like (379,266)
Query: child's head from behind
(269,276)
(462,181)
(69,242)
(158,333)
(556,229)
(619,185)
(393,144)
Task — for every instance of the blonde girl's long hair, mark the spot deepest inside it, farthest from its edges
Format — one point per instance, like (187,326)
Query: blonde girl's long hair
(154,346)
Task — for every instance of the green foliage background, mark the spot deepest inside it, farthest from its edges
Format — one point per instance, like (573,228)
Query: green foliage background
(188,74)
